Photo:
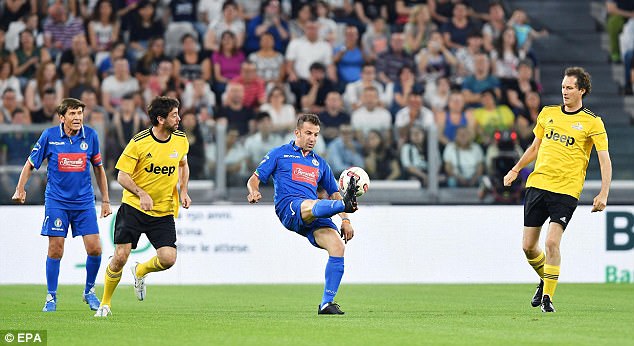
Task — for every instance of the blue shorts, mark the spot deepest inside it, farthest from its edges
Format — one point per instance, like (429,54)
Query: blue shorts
(290,214)
(56,222)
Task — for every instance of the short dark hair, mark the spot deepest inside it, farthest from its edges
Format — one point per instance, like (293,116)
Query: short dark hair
(49,91)
(583,78)
(161,106)
(317,66)
(308,118)
(68,103)
(261,116)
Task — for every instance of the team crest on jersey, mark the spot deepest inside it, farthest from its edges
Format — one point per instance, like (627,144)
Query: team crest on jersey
(83,146)
(174,154)
(58,223)
(577,126)
(315,162)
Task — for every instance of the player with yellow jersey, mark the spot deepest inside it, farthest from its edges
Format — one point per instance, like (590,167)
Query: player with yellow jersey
(564,136)
(150,169)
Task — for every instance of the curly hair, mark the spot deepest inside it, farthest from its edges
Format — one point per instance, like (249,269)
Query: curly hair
(583,78)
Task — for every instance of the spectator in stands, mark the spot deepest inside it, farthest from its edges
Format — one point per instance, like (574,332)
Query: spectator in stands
(47,113)
(191,63)
(333,116)
(352,95)
(14,10)
(120,83)
(233,113)
(437,95)
(505,57)
(515,90)
(248,9)
(491,117)
(46,77)
(418,28)
(368,10)
(464,160)
(466,57)
(327,26)
(280,113)
(230,21)
(29,22)
(235,157)
(162,82)
(403,87)
(106,66)
(103,29)
(60,28)
(149,62)
(261,142)
(226,61)
(375,39)
(349,58)
(8,80)
(440,10)
(344,151)
(481,80)
(126,123)
(198,95)
(371,116)
(254,88)
(381,162)
(210,11)
(70,56)
(183,11)
(269,20)
(436,60)
(93,112)
(8,106)
(196,155)
(144,27)
(414,156)
(15,146)
(28,57)
(82,76)
(297,26)
(389,63)
(303,51)
(496,23)
(269,62)
(524,32)
(455,31)
(527,118)
(414,114)
(448,121)
(4,53)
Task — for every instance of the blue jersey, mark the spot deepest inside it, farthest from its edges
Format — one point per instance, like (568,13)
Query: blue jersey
(295,175)
(68,172)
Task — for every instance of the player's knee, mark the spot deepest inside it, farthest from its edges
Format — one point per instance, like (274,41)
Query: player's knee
(337,249)
(55,250)
(167,261)
(94,250)
(552,246)
(530,250)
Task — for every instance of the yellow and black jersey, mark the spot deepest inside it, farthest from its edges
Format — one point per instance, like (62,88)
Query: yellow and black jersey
(153,165)
(567,139)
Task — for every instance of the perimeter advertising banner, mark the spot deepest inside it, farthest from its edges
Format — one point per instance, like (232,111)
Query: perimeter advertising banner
(392,244)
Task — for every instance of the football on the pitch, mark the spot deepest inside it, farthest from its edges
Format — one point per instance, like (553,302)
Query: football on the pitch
(363,181)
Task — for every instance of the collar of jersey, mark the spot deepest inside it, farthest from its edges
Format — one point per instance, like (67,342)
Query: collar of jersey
(158,140)
(296,148)
(563,110)
(62,133)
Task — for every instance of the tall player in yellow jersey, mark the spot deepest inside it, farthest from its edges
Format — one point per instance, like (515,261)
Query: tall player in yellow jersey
(150,168)
(564,136)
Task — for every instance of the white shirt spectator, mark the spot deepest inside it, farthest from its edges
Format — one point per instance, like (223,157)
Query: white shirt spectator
(365,120)
(13,83)
(207,100)
(219,26)
(304,53)
(257,147)
(117,89)
(212,8)
(425,118)
(285,117)
(464,161)
(352,94)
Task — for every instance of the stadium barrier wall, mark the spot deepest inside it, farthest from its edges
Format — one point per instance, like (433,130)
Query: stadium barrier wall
(393,244)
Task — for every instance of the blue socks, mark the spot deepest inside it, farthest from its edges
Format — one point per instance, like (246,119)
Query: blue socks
(334,272)
(52,275)
(92,267)
(328,208)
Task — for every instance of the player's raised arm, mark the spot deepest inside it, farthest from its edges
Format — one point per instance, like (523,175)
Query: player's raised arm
(20,193)
(253,186)
(601,200)
(127,183)
(183,175)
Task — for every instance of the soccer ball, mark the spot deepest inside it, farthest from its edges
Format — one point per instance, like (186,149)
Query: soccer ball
(363,181)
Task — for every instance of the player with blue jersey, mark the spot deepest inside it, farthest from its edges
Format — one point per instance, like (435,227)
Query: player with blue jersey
(297,171)
(69,197)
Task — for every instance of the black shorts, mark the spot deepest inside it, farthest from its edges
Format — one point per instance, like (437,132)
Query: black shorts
(540,204)
(131,223)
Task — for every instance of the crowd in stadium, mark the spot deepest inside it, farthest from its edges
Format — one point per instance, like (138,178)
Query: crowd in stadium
(380,74)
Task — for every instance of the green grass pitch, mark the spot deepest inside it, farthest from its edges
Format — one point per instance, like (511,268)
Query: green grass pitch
(588,314)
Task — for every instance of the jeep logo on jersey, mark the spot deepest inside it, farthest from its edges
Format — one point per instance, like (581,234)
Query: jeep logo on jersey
(568,140)
(305,174)
(169,170)
(71,162)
